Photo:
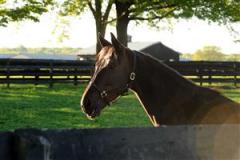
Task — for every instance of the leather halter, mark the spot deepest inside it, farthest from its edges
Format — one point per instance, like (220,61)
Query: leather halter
(119,90)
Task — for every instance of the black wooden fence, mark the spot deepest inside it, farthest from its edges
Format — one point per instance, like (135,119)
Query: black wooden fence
(209,71)
(37,71)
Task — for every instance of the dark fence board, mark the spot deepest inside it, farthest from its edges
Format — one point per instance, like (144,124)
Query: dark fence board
(208,71)
(39,71)
(6,142)
(191,142)
(202,71)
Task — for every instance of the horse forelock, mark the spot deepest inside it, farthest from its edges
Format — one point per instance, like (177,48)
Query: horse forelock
(105,52)
(104,56)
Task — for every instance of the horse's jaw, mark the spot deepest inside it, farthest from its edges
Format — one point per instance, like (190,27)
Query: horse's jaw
(154,121)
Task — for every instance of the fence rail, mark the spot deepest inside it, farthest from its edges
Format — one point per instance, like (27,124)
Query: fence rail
(37,71)
(209,71)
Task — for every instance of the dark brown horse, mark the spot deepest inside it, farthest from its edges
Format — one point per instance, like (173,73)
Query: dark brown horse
(167,97)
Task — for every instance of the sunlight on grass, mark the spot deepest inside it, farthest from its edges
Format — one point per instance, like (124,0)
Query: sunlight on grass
(64,110)
(29,106)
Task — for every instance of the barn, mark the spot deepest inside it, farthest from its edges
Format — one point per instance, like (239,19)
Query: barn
(157,50)
(161,52)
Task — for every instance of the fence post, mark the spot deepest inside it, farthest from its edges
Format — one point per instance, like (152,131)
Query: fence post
(8,73)
(75,77)
(199,71)
(36,79)
(36,76)
(235,73)
(51,74)
(210,73)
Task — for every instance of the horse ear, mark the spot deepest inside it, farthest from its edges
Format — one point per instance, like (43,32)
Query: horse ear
(103,42)
(116,44)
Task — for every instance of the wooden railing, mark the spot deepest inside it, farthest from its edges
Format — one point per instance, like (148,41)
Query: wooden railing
(209,71)
(37,71)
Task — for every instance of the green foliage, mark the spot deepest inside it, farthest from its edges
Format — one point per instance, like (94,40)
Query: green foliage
(73,7)
(22,9)
(227,57)
(209,53)
(61,29)
(223,11)
(187,56)
(100,10)
(233,57)
(22,49)
(24,106)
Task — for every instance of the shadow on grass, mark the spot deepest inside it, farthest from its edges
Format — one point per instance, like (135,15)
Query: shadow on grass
(40,107)
(24,106)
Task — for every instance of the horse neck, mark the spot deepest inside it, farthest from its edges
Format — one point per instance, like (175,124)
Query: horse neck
(156,85)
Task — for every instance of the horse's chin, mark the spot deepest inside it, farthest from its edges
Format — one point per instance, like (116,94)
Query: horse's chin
(93,115)
(95,112)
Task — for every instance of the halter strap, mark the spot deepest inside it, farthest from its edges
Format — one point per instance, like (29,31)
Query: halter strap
(120,90)
(133,74)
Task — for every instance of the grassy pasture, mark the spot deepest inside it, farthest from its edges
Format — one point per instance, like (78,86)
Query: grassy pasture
(24,106)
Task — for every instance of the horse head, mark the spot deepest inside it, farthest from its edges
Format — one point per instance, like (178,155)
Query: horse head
(110,79)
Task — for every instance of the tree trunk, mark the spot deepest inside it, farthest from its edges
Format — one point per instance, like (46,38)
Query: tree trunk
(100,28)
(122,21)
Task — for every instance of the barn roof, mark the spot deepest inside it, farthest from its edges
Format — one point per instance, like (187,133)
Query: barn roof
(161,51)
(156,49)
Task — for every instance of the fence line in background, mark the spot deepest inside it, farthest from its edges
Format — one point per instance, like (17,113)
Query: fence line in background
(37,71)
(209,71)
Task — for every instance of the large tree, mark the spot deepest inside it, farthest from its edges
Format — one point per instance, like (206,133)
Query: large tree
(209,53)
(22,9)
(153,11)
(100,10)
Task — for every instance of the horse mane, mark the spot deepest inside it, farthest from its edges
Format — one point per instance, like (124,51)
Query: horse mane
(181,81)
(161,66)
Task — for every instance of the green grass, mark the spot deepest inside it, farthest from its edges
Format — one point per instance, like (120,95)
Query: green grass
(24,106)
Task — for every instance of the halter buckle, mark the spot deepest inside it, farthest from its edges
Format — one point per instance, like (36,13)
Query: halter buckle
(132,76)
(103,94)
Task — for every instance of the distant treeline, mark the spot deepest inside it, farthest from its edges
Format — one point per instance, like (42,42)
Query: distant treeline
(211,53)
(207,53)
(23,50)
(223,57)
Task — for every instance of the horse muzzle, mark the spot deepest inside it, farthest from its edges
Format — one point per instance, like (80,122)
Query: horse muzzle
(92,110)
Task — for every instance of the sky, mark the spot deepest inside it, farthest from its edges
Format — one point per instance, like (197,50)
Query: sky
(186,36)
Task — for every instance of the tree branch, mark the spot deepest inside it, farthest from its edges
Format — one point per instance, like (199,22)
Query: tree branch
(91,8)
(152,18)
(153,7)
(112,20)
(108,9)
